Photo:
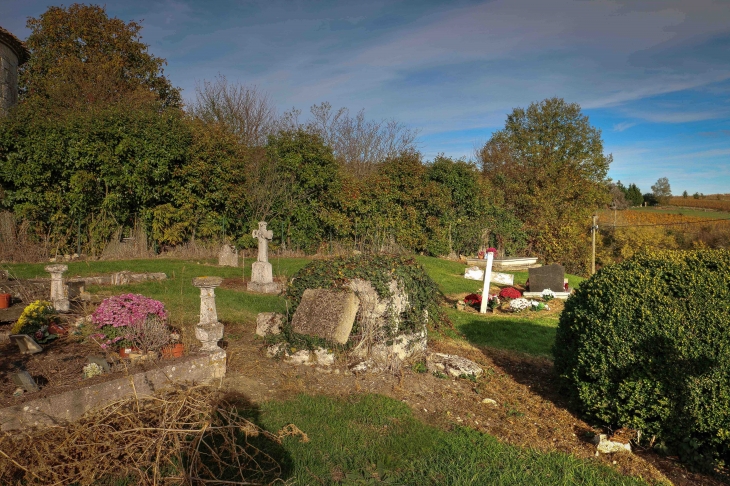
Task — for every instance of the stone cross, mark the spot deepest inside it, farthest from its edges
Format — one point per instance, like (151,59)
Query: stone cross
(263,235)
(208,331)
(59,296)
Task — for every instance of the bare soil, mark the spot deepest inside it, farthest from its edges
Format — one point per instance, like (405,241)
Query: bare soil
(529,411)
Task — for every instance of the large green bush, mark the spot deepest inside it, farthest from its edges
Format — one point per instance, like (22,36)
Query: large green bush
(646,344)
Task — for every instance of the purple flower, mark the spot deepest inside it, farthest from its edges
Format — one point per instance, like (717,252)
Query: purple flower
(127,310)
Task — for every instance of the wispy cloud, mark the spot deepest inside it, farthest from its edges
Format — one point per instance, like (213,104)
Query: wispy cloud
(620,127)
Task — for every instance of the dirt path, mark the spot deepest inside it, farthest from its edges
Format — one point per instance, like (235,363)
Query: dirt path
(528,411)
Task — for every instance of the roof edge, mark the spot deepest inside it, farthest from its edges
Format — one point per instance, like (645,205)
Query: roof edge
(16,45)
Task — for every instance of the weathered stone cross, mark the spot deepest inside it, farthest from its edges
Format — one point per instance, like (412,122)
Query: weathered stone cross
(263,236)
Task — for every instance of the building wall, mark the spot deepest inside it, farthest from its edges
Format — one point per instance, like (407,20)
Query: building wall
(8,78)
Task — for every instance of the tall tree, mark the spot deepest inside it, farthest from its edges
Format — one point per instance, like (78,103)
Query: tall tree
(634,196)
(80,58)
(549,162)
(662,191)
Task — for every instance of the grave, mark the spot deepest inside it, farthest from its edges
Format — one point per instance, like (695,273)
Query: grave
(327,314)
(228,256)
(262,278)
(547,277)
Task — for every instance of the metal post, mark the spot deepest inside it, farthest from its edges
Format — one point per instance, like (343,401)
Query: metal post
(594,228)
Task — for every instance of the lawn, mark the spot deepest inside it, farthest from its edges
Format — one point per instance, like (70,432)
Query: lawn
(372,439)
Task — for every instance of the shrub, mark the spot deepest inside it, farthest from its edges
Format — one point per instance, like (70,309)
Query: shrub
(645,344)
(421,291)
(36,315)
(510,293)
(120,317)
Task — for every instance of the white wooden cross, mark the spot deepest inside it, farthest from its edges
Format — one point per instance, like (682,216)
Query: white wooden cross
(487,279)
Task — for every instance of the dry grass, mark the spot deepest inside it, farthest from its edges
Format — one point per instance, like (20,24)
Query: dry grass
(16,244)
(183,436)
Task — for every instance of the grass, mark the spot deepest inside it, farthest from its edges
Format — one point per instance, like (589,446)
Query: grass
(372,439)
(449,276)
(525,334)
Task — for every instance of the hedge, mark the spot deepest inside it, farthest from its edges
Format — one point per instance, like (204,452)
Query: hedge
(645,344)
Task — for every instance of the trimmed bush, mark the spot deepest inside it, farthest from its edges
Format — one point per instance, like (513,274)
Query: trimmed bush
(645,344)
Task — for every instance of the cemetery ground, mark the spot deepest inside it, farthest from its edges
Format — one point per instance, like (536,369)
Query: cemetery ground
(406,426)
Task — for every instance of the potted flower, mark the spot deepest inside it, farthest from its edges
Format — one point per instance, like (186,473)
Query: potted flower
(124,320)
(175,348)
(35,321)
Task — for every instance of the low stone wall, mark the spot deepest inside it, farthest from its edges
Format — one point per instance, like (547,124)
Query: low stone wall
(70,406)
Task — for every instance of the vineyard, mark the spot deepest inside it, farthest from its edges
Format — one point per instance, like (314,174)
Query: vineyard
(621,234)
(717,202)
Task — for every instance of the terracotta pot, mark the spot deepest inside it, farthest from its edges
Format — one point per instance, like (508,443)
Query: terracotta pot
(173,351)
(125,352)
(57,329)
(5,300)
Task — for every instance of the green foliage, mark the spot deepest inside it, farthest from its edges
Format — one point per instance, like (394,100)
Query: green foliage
(379,270)
(549,164)
(80,59)
(634,196)
(662,191)
(645,344)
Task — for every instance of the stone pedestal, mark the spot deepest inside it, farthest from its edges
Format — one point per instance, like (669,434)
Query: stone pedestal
(59,296)
(208,331)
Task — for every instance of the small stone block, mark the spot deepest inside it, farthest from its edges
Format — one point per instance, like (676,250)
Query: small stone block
(24,380)
(26,344)
(328,314)
(207,282)
(102,362)
(268,323)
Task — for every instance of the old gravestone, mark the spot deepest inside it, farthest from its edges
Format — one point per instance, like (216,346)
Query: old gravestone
(547,277)
(228,256)
(25,344)
(327,314)
(25,381)
(262,279)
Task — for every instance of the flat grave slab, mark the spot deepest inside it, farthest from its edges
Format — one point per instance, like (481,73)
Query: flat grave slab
(328,314)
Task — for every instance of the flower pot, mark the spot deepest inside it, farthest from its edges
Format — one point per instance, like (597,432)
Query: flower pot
(5,300)
(173,351)
(126,351)
(57,329)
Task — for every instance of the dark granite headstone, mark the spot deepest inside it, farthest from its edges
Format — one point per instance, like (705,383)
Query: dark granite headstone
(25,381)
(547,277)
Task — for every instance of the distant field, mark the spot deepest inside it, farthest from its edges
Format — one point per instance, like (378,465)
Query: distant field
(651,216)
(718,202)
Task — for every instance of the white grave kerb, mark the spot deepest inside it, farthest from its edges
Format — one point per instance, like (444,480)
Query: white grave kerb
(487,280)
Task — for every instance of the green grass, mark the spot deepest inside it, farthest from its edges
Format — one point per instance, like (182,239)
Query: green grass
(527,333)
(449,276)
(371,439)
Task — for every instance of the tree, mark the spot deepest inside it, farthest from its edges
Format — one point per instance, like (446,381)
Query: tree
(618,197)
(634,196)
(81,58)
(246,111)
(661,190)
(359,144)
(685,195)
(549,163)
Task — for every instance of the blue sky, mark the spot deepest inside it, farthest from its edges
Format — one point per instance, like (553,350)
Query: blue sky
(653,75)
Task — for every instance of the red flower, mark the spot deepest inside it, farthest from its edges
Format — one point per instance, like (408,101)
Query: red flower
(510,293)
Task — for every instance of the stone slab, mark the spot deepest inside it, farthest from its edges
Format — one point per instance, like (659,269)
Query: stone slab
(547,277)
(268,323)
(26,344)
(538,295)
(328,314)
(25,381)
(58,410)
(228,256)
(476,273)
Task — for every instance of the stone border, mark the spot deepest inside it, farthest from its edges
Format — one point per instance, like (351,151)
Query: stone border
(58,410)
